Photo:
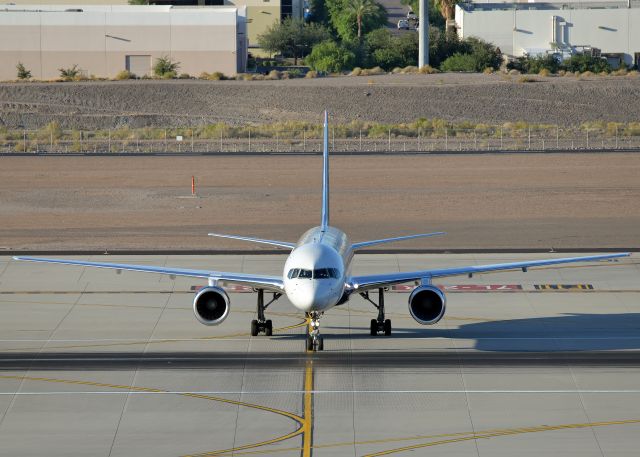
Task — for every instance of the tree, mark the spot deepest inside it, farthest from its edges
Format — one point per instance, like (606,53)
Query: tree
(23,73)
(292,37)
(344,20)
(388,51)
(330,57)
(361,8)
(474,55)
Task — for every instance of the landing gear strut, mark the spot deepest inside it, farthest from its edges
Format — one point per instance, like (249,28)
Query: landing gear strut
(262,324)
(380,324)
(315,342)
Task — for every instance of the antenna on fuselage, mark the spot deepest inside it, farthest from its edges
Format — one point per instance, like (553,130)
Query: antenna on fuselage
(325,174)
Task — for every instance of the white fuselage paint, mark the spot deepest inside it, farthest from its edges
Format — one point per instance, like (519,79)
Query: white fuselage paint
(318,248)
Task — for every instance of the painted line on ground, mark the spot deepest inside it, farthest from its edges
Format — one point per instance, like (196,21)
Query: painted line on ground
(309,393)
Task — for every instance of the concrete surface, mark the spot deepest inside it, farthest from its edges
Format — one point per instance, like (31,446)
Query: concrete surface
(93,363)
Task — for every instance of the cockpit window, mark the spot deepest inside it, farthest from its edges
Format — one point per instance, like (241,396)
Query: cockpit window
(318,273)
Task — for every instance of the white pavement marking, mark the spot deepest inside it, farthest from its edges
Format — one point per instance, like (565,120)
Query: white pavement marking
(320,392)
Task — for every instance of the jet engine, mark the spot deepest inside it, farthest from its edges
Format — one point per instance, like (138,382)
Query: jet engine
(211,305)
(427,304)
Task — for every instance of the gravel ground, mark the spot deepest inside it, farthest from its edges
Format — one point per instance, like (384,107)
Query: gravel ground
(389,98)
(483,201)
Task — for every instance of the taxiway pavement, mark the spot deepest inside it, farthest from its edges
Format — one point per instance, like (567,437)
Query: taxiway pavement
(95,363)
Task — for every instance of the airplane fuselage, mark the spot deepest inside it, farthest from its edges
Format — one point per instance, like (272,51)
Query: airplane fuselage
(315,272)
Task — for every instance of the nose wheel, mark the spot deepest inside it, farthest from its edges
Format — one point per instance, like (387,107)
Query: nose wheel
(261,324)
(315,342)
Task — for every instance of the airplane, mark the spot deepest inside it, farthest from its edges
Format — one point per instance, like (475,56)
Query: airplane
(317,276)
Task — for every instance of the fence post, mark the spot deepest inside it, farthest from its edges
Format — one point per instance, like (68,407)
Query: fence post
(249,139)
(51,140)
(587,138)
(389,140)
(529,138)
(109,141)
(277,142)
(501,147)
(475,140)
(220,140)
(191,140)
(304,141)
(333,141)
(165,140)
(419,140)
(557,137)
(360,145)
(616,137)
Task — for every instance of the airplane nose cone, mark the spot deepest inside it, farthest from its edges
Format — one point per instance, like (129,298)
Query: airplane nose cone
(309,297)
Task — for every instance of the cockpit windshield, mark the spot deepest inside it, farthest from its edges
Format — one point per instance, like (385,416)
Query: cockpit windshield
(318,273)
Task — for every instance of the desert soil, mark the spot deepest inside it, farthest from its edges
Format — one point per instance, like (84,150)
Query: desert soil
(476,98)
(483,201)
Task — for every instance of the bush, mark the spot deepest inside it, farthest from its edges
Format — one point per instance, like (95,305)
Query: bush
(311,74)
(356,72)
(69,74)
(274,75)
(166,68)
(184,76)
(330,57)
(544,72)
(428,70)
(125,74)
(584,62)
(459,62)
(488,71)
(23,73)
(534,65)
(388,51)
(170,75)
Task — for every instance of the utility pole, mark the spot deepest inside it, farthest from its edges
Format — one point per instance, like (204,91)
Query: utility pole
(423,34)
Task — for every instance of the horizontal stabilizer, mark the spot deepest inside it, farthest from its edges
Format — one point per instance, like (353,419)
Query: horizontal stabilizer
(281,244)
(366,244)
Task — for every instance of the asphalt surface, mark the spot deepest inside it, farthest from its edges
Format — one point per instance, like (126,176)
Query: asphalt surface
(98,363)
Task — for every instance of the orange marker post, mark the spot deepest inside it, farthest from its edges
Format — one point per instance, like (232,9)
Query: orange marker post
(193,185)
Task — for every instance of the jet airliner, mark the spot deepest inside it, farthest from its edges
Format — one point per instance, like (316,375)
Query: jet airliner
(317,276)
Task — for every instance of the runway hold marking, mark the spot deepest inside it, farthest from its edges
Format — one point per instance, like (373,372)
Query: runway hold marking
(557,287)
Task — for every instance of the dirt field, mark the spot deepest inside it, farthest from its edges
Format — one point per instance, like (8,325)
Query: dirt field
(482,201)
(476,98)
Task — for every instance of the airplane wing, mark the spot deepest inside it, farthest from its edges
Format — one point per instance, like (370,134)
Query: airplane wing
(280,244)
(362,283)
(365,244)
(273,283)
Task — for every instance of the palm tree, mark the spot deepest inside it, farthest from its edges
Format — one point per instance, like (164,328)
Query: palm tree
(362,8)
(447,9)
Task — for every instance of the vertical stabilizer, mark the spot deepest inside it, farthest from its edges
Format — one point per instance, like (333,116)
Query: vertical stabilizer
(325,174)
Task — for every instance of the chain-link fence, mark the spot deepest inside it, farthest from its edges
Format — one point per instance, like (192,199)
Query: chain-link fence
(390,140)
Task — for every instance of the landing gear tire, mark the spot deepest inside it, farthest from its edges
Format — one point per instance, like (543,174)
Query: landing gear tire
(254,328)
(320,343)
(387,327)
(309,343)
(268,328)
(374,327)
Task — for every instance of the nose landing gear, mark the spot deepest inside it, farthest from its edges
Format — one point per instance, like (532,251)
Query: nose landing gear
(315,342)
(262,324)
(380,324)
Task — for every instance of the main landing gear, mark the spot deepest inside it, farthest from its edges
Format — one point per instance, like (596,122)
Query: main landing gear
(315,342)
(380,324)
(263,325)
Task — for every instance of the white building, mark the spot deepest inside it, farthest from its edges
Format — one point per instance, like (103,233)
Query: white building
(568,27)
(103,40)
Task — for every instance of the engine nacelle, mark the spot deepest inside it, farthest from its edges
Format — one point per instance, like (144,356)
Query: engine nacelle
(211,305)
(427,304)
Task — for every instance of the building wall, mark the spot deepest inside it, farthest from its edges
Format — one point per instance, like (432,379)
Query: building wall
(99,39)
(516,32)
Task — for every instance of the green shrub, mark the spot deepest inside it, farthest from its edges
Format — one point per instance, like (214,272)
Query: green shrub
(311,74)
(184,76)
(165,65)
(125,74)
(169,75)
(428,70)
(330,57)
(23,73)
(68,74)
(584,62)
(460,62)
